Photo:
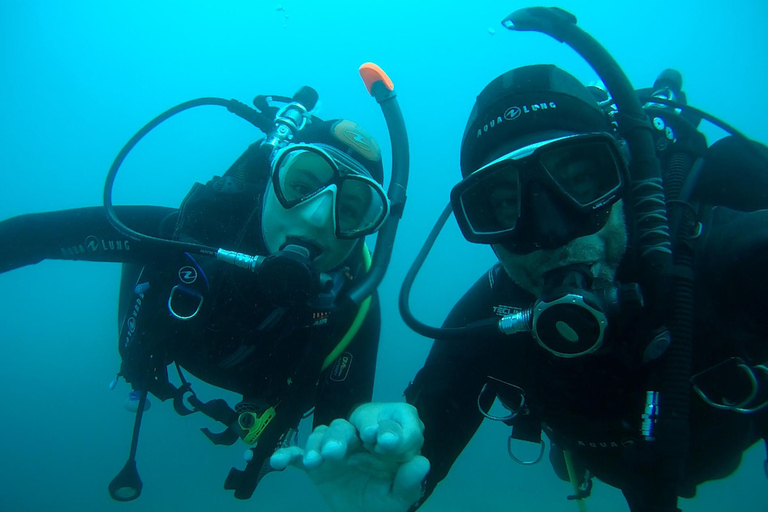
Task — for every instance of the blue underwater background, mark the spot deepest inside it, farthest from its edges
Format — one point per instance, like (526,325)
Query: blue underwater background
(79,78)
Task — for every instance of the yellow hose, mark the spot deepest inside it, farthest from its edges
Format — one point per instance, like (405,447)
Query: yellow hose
(574,479)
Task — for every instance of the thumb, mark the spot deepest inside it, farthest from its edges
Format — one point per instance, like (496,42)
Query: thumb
(407,487)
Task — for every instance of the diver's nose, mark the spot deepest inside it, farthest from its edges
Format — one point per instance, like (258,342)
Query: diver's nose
(318,211)
(550,220)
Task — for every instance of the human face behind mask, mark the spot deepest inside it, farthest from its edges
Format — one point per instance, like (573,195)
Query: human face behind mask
(548,205)
(543,177)
(310,222)
(601,251)
(324,199)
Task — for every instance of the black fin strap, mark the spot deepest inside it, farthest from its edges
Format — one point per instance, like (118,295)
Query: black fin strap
(178,397)
(178,400)
(226,438)
(244,482)
(218,410)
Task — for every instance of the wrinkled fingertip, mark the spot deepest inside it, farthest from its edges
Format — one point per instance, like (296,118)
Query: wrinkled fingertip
(369,434)
(388,440)
(333,450)
(312,459)
(279,461)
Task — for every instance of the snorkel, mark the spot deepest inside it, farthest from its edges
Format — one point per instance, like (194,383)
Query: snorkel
(280,128)
(666,411)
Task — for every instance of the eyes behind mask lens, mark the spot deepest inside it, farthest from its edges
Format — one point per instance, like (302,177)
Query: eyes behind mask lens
(358,206)
(582,171)
(585,173)
(301,173)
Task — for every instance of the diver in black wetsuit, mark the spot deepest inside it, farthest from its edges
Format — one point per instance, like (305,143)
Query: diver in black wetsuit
(285,314)
(548,191)
(646,372)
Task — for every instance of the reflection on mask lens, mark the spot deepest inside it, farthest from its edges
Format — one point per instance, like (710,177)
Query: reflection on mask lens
(303,173)
(586,172)
(361,204)
(493,203)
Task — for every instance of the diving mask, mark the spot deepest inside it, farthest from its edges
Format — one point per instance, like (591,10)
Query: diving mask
(542,195)
(302,171)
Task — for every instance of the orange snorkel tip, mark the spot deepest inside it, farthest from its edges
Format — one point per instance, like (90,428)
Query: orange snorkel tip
(371,73)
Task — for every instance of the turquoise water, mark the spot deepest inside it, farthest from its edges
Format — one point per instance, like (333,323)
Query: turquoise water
(77,79)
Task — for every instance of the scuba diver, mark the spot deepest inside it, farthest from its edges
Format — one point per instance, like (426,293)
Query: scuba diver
(260,283)
(625,318)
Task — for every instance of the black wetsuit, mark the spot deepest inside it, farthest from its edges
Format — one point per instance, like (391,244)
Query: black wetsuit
(239,340)
(592,405)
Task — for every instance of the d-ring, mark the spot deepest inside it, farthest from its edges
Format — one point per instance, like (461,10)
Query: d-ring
(178,289)
(513,413)
(525,462)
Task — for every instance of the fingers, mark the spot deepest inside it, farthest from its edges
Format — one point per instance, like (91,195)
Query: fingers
(284,457)
(390,434)
(408,417)
(409,430)
(389,428)
(330,443)
(366,420)
(407,487)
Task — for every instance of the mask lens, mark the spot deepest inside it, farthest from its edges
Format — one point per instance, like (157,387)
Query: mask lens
(301,174)
(360,207)
(585,172)
(492,203)
(304,171)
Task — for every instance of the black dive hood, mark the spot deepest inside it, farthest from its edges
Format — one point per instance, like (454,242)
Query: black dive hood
(279,129)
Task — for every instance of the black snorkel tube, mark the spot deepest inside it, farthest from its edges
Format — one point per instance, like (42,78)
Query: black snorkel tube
(381,88)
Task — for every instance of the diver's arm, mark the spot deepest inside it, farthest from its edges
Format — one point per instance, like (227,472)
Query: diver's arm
(445,391)
(79,234)
(348,381)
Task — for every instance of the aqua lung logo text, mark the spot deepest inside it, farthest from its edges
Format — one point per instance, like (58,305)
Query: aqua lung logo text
(513,113)
(341,368)
(131,322)
(95,245)
(606,444)
(187,274)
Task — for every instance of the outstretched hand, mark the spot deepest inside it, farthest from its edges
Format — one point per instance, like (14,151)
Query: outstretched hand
(370,463)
